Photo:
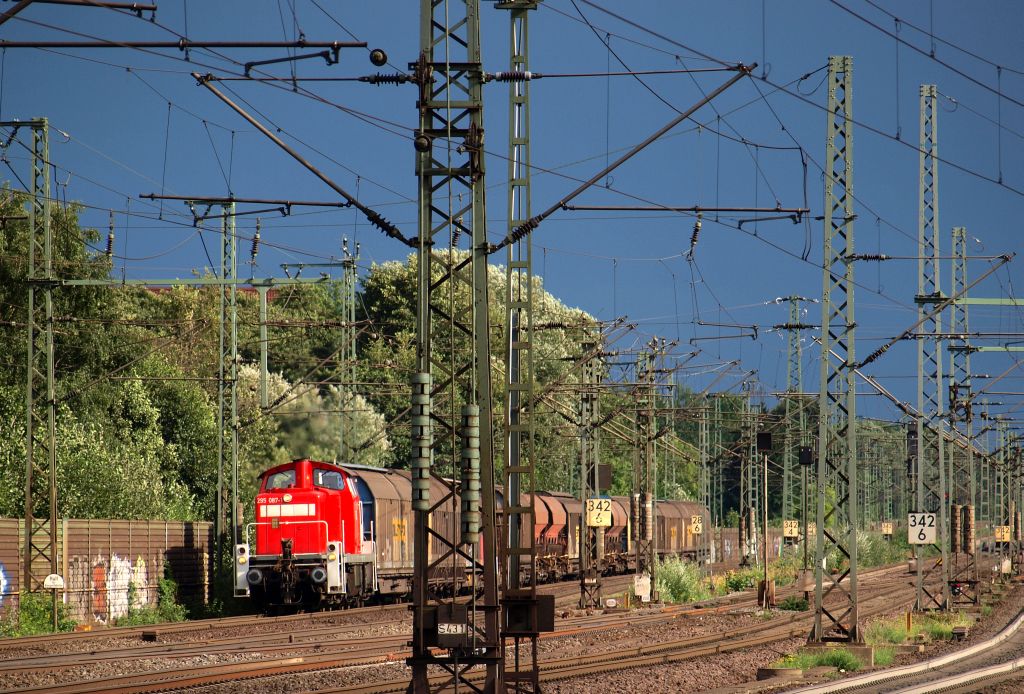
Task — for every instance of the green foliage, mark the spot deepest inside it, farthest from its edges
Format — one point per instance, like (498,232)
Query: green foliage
(883,631)
(35,616)
(935,626)
(832,657)
(741,580)
(167,608)
(681,582)
(986,610)
(884,655)
(839,658)
(732,519)
(794,603)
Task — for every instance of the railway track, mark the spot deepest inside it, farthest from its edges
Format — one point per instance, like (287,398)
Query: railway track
(796,625)
(298,645)
(976,667)
(316,649)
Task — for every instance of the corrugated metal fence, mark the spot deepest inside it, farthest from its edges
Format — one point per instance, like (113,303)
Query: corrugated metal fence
(107,563)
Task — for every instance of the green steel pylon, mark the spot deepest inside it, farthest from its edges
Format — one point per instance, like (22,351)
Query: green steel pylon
(519,581)
(645,469)
(227,389)
(963,484)
(931,465)
(451,387)
(40,552)
(348,447)
(591,545)
(837,413)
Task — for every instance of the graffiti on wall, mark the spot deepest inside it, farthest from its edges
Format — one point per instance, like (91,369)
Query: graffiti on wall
(3,583)
(102,589)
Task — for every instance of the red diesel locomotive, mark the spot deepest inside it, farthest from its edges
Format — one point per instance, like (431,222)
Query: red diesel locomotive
(339,535)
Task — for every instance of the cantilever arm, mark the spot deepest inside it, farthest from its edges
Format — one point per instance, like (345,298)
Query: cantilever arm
(532,223)
(374,217)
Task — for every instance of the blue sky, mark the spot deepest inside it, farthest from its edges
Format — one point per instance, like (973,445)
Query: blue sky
(123,139)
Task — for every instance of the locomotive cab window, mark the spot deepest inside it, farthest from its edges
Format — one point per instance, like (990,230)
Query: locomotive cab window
(328,479)
(281,480)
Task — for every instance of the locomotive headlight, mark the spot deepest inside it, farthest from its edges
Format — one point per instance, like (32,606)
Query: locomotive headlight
(332,557)
(242,559)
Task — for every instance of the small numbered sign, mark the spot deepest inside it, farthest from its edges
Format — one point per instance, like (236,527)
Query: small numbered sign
(887,528)
(791,528)
(812,529)
(921,528)
(599,513)
(1002,533)
(696,525)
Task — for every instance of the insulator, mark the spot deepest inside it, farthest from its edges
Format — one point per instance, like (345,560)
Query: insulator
(968,529)
(456,233)
(648,518)
(390,78)
(954,528)
(1016,526)
(469,473)
(523,229)
(110,237)
(694,236)
(255,244)
(513,76)
(422,443)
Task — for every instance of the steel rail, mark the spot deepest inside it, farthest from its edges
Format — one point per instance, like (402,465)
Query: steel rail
(650,656)
(893,674)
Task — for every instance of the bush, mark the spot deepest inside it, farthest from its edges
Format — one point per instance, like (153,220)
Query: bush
(886,631)
(741,579)
(794,604)
(833,657)
(839,658)
(35,616)
(936,626)
(884,655)
(681,581)
(167,608)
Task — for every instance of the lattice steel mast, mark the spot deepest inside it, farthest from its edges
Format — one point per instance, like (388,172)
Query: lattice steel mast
(931,472)
(963,500)
(645,470)
(452,358)
(837,431)
(227,385)
(40,550)
(591,544)
(347,445)
(519,590)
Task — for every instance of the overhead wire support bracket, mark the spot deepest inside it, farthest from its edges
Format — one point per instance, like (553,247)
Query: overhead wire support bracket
(529,225)
(330,56)
(135,7)
(184,45)
(939,308)
(372,216)
(795,213)
(282,206)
